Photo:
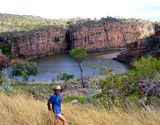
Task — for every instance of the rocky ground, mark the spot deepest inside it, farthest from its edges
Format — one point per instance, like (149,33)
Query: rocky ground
(149,87)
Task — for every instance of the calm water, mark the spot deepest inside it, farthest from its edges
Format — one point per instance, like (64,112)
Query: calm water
(51,66)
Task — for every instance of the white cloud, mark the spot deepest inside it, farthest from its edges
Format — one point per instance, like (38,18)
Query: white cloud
(82,8)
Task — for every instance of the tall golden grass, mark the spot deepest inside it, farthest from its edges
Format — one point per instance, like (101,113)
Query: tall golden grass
(24,110)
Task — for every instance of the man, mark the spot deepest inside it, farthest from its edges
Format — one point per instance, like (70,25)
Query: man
(55,106)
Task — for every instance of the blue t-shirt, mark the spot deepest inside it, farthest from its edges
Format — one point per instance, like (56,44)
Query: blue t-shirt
(55,100)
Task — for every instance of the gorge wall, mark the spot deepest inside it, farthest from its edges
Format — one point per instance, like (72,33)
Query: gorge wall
(44,41)
(107,33)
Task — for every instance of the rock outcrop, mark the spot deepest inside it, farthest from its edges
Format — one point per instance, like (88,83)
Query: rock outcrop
(148,46)
(149,87)
(44,41)
(109,33)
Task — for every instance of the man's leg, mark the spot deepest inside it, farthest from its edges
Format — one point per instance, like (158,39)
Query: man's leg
(63,119)
(55,121)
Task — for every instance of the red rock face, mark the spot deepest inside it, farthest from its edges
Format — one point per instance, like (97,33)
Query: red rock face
(112,34)
(4,61)
(42,42)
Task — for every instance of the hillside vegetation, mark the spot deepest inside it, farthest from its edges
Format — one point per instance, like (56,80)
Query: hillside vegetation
(9,23)
(23,110)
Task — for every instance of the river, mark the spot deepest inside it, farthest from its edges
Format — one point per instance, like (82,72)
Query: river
(51,66)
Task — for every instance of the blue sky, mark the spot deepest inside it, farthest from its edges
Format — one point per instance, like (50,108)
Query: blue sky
(144,9)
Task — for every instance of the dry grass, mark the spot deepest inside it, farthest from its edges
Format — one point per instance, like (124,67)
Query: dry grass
(23,110)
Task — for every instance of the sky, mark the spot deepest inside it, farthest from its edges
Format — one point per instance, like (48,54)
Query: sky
(64,9)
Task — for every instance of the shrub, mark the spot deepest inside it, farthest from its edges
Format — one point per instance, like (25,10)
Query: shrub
(65,76)
(81,99)
(25,69)
(6,85)
(115,88)
(154,100)
(157,76)
(134,100)
(146,66)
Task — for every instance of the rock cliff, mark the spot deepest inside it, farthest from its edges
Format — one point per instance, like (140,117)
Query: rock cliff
(109,33)
(147,46)
(44,41)
(90,34)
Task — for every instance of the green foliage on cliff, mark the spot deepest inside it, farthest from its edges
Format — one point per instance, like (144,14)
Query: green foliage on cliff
(9,23)
(6,49)
(109,19)
(25,69)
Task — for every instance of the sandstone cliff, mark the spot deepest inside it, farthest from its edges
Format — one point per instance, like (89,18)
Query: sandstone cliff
(44,41)
(109,33)
(94,35)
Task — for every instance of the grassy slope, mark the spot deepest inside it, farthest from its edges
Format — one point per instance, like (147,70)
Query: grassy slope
(23,110)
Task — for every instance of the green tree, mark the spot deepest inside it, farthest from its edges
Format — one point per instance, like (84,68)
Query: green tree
(25,69)
(79,54)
